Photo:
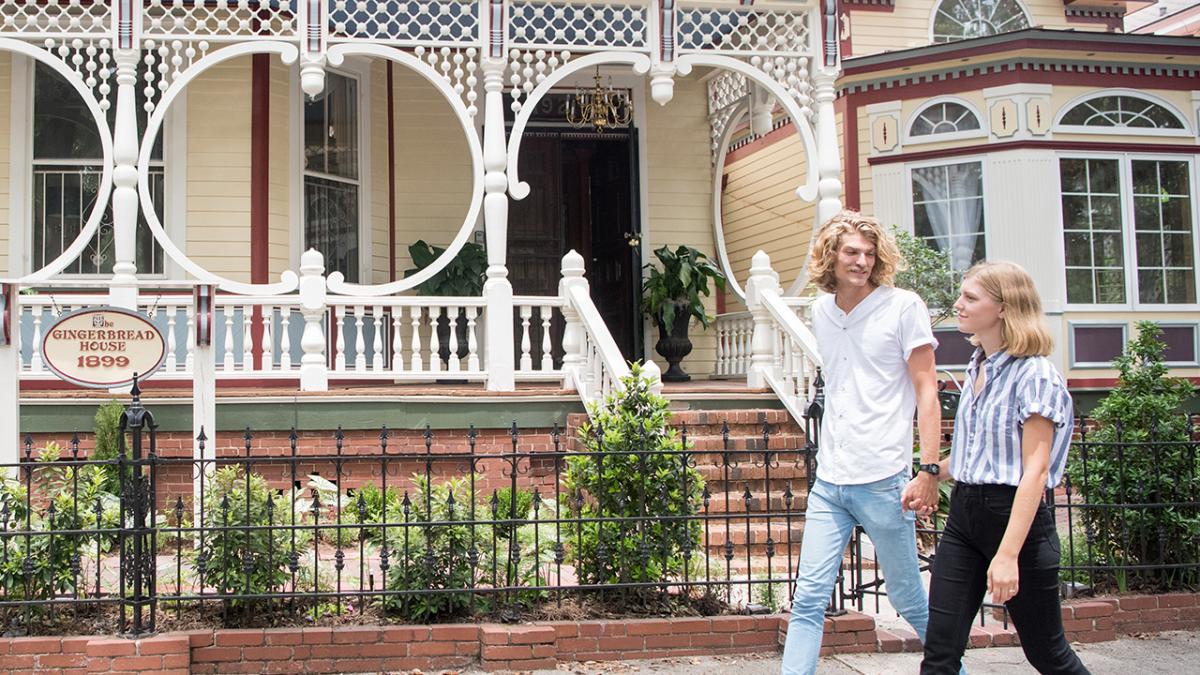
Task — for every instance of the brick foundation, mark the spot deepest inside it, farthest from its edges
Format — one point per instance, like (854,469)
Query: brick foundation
(496,647)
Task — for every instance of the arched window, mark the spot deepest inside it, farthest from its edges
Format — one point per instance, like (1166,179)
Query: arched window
(1121,112)
(944,118)
(961,19)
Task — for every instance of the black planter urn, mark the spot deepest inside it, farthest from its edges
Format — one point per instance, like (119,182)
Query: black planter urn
(674,346)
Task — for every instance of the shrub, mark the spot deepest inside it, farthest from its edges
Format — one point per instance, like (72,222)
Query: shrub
(927,273)
(107,428)
(435,548)
(1140,454)
(634,467)
(510,504)
(236,561)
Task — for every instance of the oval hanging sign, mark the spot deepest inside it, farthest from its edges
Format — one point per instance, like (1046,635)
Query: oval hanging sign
(103,347)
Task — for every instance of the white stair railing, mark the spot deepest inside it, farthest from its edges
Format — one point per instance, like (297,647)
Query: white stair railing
(784,352)
(593,365)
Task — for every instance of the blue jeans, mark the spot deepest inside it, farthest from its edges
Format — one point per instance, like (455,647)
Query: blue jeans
(833,511)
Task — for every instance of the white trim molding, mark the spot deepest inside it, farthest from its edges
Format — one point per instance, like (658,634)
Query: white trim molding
(937,137)
(1071,325)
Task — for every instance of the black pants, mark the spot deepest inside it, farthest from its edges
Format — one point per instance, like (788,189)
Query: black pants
(978,518)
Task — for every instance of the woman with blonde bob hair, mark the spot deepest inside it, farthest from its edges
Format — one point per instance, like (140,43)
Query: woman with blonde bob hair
(1011,435)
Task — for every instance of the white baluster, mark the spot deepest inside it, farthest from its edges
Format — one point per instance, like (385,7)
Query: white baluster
(472,343)
(248,338)
(190,318)
(266,343)
(360,343)
(547,314)
(377,340)
(227,362)
(415,313)
(435,340)
(339,334)
(35,350)
(745,335)
(722,332)
(526,359)
(452,320)
(397,340)
(285,338)
(172,359)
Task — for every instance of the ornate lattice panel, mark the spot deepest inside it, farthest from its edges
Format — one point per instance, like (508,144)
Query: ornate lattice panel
(741,30)
(411,21)
(577,26)
(162,62)
(725,89)
(93,61)
(219,18)
(459,67)
(528,68)
(54,17)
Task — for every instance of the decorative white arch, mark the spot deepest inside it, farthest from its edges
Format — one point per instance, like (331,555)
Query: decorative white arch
(739,113)
(336,55)
(106,144)
(1124,131)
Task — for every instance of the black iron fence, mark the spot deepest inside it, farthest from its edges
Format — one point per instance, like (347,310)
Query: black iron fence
(708,520)
(1127,514)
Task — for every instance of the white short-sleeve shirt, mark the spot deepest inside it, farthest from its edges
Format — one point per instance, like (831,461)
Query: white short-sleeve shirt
(867,431)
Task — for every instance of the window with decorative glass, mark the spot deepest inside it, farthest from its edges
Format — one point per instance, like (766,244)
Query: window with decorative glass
(1108,262)
(962,19)
(67,166)
(331,174)
(948,212)
(944,118)
(1121,112)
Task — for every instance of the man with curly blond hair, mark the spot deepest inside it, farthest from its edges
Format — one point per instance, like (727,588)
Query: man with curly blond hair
(876,347)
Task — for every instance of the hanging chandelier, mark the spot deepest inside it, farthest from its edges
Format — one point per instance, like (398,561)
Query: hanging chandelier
(599,107)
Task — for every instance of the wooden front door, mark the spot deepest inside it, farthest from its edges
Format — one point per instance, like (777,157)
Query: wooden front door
(583,196)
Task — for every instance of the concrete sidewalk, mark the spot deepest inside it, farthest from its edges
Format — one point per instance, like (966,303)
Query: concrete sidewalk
(1174,653)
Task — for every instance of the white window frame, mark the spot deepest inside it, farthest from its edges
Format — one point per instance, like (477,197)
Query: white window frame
(174,164)
(1059,127)
(938,4)
(1195,326)
(357,69)
(910,139)
(911,222)
(1071,325)
(1128,235)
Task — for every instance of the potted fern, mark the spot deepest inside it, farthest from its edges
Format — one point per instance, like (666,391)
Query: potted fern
(672,298)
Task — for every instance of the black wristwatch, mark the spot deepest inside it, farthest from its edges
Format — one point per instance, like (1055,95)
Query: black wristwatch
(932,469)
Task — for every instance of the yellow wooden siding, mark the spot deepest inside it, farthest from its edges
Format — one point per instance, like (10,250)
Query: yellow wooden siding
(866,191)
(679,196)
(5,149)
(433,166)
(218,170)
(279,248)
(909,25)
(376,128)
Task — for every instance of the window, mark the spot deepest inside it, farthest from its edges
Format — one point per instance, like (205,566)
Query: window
(1121,112)
(961,19)
(944,118)
(1099,196)
(948,210)
(331,175)
(67,165)
(1181,344)
(954,347)
(1096,345)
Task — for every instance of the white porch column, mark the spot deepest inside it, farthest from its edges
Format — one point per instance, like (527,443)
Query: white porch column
(314,371)
(204,394)
(573,336)
(829,162)
(762,280)
(497,290)
(123,291)
(10,379)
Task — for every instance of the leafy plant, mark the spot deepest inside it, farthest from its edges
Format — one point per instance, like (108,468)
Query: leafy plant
(436,548)
(684,277)
(927,272)
(633,467)
(1141,454)
(510,504)
(251,556)
(106,426)
(464,276)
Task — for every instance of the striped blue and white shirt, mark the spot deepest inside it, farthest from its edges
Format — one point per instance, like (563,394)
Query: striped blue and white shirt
(987,428)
